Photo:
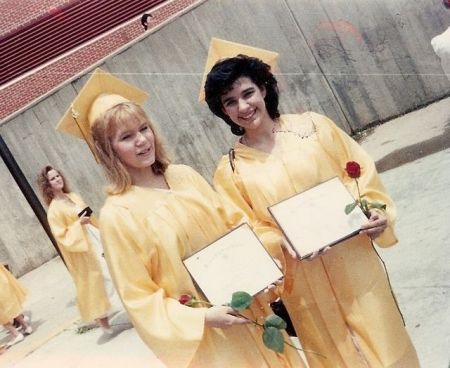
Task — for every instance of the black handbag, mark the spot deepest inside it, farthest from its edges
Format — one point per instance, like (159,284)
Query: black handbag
(280,310)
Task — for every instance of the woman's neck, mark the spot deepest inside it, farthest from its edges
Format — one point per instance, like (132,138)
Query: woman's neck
(262,138)
(147,178)
(59,194)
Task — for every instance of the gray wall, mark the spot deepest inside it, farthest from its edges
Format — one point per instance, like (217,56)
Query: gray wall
(24,245)
(359,62)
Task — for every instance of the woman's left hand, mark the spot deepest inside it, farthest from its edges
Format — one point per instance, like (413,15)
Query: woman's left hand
(274,285)
(84,220)
(376,225)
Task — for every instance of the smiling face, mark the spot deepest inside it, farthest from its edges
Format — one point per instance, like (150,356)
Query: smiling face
(244,104)
(55,180)
(134,144)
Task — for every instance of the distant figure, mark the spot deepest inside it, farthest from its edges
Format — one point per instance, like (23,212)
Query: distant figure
(12,296)
(78,239)
(441,46)
(145,21)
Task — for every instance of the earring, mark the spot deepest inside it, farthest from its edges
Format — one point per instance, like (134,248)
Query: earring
(237,130)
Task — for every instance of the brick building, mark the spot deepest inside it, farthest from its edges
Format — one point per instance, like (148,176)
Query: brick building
(43,44)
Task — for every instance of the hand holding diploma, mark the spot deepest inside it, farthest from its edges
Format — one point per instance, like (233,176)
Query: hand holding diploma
(376,225)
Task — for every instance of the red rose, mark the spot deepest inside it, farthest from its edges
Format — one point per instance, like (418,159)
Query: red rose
(185,299)
(353,169)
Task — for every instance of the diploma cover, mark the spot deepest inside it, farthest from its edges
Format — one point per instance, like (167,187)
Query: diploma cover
(315,218)
(235,262)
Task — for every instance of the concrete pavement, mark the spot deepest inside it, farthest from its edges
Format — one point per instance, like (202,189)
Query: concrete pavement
(57,341)
(413,153)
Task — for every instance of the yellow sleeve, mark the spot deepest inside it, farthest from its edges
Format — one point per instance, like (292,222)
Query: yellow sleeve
(68,232)
(231,215)
(94,221)
(227,185)
(173,331)
(342,148)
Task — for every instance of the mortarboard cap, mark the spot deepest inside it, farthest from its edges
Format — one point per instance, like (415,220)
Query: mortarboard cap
(101,92)
(221,49)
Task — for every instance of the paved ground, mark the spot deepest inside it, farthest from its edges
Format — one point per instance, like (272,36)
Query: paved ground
(414,154)
(419,266)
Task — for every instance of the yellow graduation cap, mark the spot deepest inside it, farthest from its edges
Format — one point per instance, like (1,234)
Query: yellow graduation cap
(101,92)
(221,49)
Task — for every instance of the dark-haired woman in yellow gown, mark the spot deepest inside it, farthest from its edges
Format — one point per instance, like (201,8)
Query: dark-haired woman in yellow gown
(340,302)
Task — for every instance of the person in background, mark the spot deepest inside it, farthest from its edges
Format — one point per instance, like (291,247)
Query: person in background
(441,46)
(12,296)
(79,242)
(340,301)
(145,20)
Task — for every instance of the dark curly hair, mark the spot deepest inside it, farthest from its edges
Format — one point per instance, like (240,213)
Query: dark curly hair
(225,72)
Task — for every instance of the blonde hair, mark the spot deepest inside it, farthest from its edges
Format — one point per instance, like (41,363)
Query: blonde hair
(44,185)
(103,130)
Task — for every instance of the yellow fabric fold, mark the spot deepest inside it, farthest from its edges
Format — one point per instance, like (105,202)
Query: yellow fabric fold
(342,148)
(340,303)
(146,233)
(12,296)
(79,256)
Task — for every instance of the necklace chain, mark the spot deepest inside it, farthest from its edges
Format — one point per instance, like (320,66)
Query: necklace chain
(301,135)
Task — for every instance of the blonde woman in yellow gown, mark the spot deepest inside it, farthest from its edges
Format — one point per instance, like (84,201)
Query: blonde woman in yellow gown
(12,297)
(340,302)
(79,246)
(156,214)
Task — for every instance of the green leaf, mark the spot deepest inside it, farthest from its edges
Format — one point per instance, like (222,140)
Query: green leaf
(273,339)
(350,207)
(378,205)
(275,321)
(241,300)
(364,205)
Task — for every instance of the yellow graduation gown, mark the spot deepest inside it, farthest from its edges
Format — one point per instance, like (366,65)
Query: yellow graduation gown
(12,296)
(79,255)
(146,233)
(340,303)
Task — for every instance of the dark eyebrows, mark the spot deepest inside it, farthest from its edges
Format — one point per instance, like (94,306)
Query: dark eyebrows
(227,99)
(123,133)
(245,91)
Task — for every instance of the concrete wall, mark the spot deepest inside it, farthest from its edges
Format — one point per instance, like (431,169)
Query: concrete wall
(24,245)
(357,61)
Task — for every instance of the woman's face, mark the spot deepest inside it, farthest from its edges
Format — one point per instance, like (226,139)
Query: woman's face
(55,180)
(244,104)
(134,144)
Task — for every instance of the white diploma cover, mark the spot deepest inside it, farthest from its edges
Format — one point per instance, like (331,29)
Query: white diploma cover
(235,262)
(315,218)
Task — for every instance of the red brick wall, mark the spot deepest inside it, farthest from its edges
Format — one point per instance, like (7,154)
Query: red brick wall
(18,13)
(26,90)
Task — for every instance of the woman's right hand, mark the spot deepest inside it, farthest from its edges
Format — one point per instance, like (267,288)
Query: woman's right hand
(84,220)
(285,244)
(222,317)
(314,255)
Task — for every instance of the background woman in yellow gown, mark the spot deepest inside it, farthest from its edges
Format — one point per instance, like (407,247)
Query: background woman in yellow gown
(155,215)
(340,302)
(12,296)
(80,248)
